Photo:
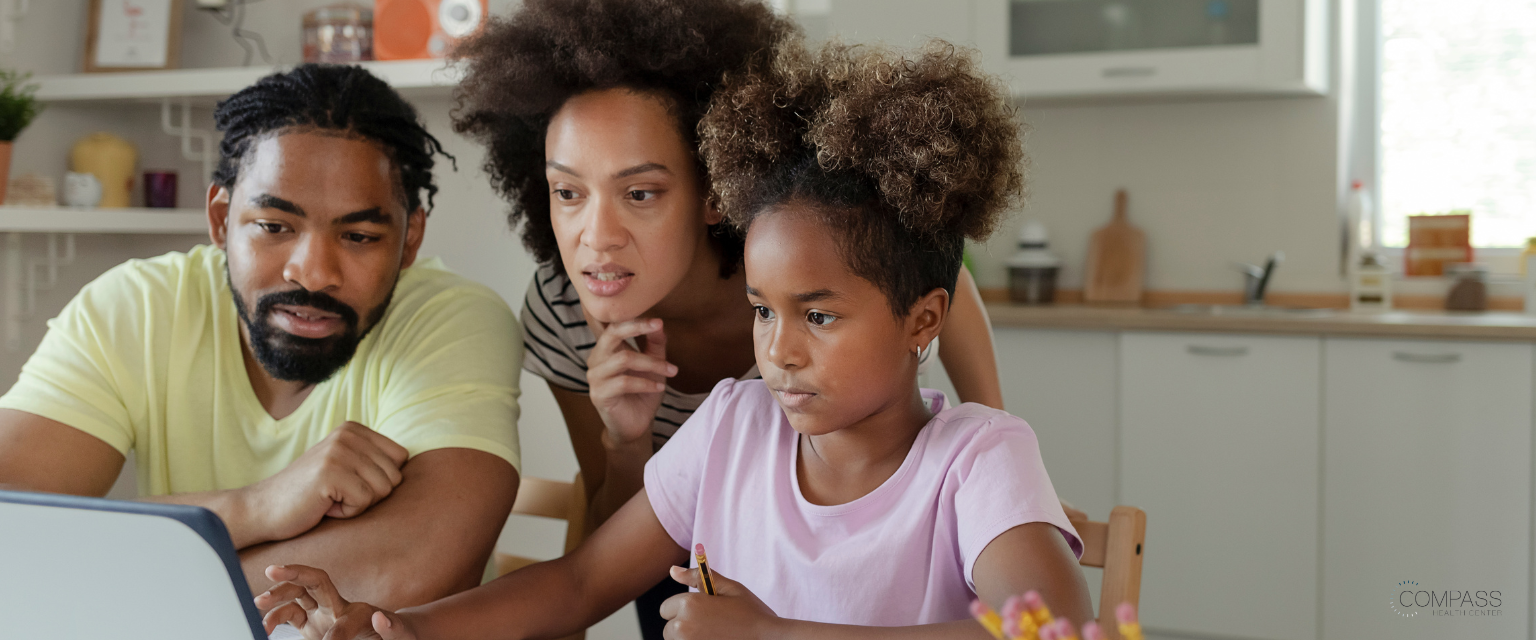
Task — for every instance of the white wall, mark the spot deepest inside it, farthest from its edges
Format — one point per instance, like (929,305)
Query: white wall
(1210,183)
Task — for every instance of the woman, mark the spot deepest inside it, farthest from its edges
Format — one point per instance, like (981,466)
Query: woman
(589,112)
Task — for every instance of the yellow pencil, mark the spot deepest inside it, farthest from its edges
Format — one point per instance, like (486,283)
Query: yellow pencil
(1125,614)
(1037,610)
(704,576)
(988,618)
(1017,624)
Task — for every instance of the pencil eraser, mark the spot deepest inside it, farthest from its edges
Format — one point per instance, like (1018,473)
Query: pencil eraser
(1048,632)
(979,609)
(1064,630)
(1126,612)
(1013,607)
(699,548)
(1011,627)
(1033,600)
(1091,631)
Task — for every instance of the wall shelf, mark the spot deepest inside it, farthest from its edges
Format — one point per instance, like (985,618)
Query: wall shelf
(20,278)
(118,221)
(412,78)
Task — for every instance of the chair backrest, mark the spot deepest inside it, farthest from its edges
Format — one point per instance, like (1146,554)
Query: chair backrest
(1116,547)
(556,500)
(550,499)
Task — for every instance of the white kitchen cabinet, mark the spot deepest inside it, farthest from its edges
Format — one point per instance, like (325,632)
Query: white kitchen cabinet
(1427,470)
(1085,48)
(1063,384)
(1219,445)
(903,23)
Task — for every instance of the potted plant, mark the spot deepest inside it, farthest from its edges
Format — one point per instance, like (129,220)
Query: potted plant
(18,106)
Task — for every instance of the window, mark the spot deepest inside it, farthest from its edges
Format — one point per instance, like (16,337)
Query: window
(1457,99)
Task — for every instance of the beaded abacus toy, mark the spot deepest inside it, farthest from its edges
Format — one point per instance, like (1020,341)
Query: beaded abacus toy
(1027,618)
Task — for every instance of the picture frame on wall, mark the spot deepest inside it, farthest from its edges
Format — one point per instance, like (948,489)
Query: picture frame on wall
(133,35)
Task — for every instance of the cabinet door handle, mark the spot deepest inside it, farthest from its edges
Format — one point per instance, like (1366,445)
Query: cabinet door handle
(1207,350)
(1426,358)
(1128,72)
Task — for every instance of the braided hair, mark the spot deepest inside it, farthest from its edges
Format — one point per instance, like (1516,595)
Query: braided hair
(338,98)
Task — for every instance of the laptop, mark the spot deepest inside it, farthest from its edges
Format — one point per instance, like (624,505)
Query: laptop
(74,568)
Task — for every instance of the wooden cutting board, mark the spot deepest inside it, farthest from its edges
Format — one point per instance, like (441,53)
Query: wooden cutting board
(1117,260)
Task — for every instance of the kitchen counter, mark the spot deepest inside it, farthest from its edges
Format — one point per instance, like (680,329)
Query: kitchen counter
(1492,325)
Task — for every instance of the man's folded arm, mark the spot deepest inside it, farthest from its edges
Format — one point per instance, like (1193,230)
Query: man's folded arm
(39,454)
(429,539)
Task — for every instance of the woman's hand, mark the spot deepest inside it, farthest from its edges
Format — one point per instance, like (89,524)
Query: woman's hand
(626,385)
(732,614)
(305,598)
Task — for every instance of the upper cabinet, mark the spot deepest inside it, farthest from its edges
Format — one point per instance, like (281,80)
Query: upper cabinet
(902,23)
(1088,48)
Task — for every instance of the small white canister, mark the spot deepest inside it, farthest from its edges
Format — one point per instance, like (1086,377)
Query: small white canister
(81,190)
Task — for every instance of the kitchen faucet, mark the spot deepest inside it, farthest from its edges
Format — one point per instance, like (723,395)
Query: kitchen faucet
(1256,279)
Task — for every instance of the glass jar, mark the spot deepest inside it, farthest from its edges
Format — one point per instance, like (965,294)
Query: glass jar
(338,33)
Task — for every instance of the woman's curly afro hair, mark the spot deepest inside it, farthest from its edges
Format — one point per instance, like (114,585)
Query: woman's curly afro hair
(904,156)
(521,69)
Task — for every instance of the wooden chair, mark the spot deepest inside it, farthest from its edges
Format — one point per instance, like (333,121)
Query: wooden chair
(1115,547)
(550,499)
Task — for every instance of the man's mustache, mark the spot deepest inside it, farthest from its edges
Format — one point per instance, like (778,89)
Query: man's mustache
(305,298)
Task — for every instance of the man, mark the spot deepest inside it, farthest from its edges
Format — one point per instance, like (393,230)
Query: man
(334,404)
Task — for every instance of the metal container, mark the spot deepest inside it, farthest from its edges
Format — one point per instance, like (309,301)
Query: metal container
(339,33)
(1032,285)
(1032,271)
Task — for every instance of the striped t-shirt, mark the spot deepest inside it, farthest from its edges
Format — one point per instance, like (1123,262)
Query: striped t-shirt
(558,341)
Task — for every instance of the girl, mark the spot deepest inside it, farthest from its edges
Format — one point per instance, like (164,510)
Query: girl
(836,499)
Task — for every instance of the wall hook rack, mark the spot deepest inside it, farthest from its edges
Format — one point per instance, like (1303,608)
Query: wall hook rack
(202,151)
(11,13)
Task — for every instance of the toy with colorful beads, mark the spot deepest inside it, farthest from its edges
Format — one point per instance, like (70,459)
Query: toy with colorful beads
(988,618)
(1125,614)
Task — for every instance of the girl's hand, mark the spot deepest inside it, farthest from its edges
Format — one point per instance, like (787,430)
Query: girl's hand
(627,385)
(305,598)
(732,614)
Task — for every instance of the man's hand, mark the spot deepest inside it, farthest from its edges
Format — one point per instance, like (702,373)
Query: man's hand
(347,472)
(305,598)
(626,385)
(732,614)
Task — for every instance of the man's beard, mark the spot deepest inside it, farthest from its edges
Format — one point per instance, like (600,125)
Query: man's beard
(297,359)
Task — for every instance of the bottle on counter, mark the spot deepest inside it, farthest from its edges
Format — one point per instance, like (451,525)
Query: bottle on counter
(1032,271)
(1362,223)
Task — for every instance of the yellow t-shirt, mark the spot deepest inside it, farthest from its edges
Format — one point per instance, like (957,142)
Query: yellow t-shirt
(147,358)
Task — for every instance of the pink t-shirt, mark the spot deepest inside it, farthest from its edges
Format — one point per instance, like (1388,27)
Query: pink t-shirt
(901,555)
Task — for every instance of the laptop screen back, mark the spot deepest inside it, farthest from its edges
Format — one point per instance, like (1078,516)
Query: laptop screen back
(90,569)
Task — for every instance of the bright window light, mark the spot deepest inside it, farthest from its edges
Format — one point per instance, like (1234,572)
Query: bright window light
(1458,116)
